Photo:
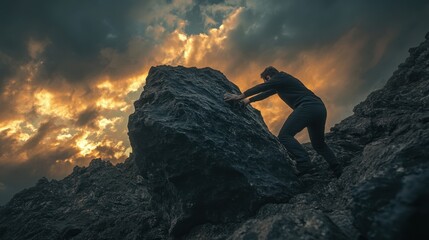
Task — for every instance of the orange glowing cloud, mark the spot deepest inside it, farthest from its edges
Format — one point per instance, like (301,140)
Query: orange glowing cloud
(85,122)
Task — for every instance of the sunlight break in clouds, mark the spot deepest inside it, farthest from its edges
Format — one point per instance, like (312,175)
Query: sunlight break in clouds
(178,48)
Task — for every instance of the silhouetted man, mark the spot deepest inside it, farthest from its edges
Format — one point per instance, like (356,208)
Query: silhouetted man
(308,111)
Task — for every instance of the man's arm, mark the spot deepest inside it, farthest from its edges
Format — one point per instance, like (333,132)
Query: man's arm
(262,95)
(269,85)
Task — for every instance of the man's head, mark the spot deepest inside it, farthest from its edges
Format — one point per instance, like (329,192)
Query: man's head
(268,73)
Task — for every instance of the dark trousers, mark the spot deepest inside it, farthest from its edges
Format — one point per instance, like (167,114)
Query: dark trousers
(313,116)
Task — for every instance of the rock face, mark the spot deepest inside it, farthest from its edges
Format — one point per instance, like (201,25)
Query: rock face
(290,221)
(392,128)
(205,160)
(100,201)
(204,169)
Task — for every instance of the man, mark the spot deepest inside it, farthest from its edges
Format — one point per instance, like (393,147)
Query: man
(308,111)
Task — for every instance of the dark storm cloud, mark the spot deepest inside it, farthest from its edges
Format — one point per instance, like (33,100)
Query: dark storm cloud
(74,33)
(105,150)
(87,117)
(272,30)
(44,130)
(7,143)
(305,24)
(195,16)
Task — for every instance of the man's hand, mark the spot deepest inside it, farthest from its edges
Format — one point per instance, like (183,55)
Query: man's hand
(245,101)
(232,97)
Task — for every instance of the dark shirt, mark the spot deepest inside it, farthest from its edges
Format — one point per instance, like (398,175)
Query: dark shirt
(291,90)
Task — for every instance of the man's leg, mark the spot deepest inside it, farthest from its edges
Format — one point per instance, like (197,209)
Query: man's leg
(316,131)
(296,121)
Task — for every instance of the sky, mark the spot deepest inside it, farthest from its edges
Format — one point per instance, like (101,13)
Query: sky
(71,70)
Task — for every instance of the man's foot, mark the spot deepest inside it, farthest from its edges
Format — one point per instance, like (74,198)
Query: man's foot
(337,169)
(304,167)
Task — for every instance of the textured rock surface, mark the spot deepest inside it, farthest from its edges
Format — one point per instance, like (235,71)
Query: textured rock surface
(382,193)
(100,201)
(392,198)
(205,160)
(288,221)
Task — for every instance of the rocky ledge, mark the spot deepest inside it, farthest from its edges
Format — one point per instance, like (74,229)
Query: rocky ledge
(205,169)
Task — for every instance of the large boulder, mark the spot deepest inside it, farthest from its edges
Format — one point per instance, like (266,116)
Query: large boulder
(205,160)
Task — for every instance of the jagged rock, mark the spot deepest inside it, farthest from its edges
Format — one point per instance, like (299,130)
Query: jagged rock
(394,208)
(392,198)
(288,221)
(385,144)
(206,160)
(100,201)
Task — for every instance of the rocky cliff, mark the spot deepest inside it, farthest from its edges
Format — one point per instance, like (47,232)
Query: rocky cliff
(204,169)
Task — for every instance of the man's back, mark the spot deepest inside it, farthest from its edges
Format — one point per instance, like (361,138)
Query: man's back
(290,89)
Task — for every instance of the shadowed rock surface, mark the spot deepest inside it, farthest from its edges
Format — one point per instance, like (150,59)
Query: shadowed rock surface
(100,201)
(205,160)
(195,172)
